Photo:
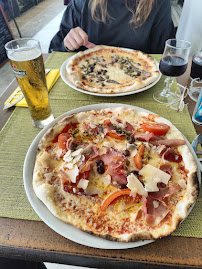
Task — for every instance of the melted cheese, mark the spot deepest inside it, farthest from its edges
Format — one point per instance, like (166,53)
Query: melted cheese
(47,160)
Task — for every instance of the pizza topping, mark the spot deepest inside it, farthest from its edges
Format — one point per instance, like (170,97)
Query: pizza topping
(47,160)
(155,128)
(172,155)
(112,197)
(169,142)
(166,191)
(152,176)
(135,185)
(154,214)
(144,136)
(92,190)
(166,167)
(83,183)
(155,204)
(106,180)
(73,157)
(73,173)
(49,177)
(100,166)
(138,157)
(126,153)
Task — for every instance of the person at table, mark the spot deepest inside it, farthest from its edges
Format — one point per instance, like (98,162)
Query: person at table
(138,24)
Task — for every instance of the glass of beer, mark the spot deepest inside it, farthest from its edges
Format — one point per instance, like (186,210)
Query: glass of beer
(27,64)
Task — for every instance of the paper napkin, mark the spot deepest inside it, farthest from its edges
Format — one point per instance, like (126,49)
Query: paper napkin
(51,78)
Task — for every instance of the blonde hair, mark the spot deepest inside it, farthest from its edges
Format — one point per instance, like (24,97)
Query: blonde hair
(99,11)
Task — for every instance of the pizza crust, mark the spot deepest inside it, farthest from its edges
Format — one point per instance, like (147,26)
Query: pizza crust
(127,83)
(54,197)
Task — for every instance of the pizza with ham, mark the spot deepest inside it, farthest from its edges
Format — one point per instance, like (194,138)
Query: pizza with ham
(110,70)
(119,173)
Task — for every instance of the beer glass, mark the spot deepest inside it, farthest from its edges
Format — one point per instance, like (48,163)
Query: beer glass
(27,64)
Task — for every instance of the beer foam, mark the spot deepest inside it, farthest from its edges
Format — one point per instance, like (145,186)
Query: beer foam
(24,54)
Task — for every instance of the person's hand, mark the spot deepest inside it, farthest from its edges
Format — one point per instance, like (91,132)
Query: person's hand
(77,38)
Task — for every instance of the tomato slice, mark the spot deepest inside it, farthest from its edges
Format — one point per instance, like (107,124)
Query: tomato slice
(107,122)
(138,157)
(116,136)
(155,128)
(62,140)
(112,197)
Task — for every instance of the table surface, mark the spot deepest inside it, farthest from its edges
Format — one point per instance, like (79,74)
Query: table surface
(34,240)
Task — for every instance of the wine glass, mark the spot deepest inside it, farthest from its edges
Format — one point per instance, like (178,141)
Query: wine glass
(173,64)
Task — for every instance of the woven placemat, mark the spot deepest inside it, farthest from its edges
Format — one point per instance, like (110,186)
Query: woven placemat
(18,133)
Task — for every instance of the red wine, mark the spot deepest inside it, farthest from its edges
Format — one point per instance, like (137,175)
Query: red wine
(196,68)
(172,66)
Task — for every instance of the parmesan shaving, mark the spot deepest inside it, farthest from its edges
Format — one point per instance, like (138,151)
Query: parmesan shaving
(83,183)
(106,180)
(152,176)
(135,185)
(156,204)
(73,173)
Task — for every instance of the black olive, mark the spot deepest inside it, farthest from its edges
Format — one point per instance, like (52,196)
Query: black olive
(122,186)
(135,172)
(126,152)
(90,69)
(101,169)
(100,163)
(104,71)
(131,139)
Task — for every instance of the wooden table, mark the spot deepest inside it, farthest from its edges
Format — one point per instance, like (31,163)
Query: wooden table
(33,240)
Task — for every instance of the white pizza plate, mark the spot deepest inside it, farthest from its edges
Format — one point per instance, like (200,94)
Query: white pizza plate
(64,229)
(66,79)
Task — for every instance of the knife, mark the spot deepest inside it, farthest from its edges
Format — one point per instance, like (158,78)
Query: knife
(18,95)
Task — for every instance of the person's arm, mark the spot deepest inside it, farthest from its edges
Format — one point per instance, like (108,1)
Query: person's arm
(162,28)
(70,20)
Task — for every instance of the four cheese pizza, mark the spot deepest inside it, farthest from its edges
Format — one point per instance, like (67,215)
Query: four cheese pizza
(109,70)
(121,174)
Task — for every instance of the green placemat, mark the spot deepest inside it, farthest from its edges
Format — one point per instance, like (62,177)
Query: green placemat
(18,134)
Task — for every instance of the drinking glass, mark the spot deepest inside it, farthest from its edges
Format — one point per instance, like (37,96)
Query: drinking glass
(196,76)
(27,64)
(195,88)
(173,64)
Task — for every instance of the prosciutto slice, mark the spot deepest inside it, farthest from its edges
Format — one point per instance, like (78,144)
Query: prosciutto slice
(169,142)
(144,136)
(114,161)
(154,207)
(166,167)
(165,192)
(155,211)
(129,128)
(172,155)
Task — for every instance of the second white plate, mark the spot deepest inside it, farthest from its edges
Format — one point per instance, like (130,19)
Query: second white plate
(66,79)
